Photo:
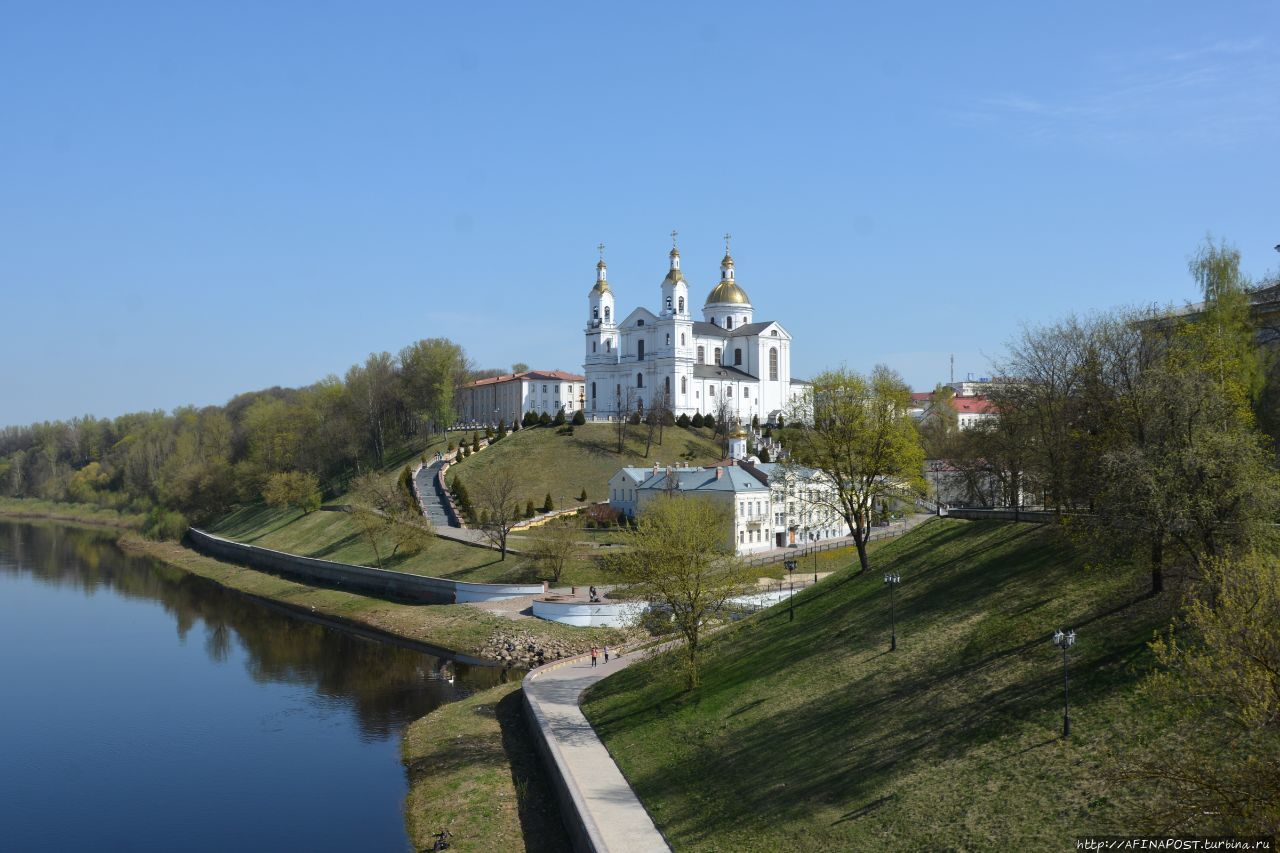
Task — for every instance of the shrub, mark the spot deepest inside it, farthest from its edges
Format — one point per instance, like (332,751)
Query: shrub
(583,497)
(544,419)
(528,510)
(547,505)
(579,418)
(164,523)
(683,422)
(709,421)
(515,425)
(755,422)
(781,423)
(634,419)
(475,443)
(488,432)
(763,454)
(698,420)
(502,428)
(559,419)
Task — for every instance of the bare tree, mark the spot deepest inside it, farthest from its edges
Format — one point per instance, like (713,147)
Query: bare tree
(386,517)
(555,549)
(496,499)
(624,403)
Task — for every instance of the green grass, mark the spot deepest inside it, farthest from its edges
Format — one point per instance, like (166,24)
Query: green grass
(473,770)
(65,511)
(812,735)
(564,465)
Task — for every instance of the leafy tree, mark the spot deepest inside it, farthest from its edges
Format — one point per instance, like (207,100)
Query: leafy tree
(386,517)
(940,424)
(519,367)
(681,557)
(293,488)
(861,437)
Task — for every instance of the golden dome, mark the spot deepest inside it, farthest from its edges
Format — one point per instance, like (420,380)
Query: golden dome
(739,433)
(728,260)
(728,291)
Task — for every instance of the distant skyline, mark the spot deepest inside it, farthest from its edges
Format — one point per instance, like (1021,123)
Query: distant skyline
(201,200)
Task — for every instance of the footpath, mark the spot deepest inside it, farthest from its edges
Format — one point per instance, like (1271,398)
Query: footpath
(600,810)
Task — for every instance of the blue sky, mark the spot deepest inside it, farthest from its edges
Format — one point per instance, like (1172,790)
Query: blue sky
(202,199)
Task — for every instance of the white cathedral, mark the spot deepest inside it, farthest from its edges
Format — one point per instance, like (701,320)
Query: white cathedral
(725,364)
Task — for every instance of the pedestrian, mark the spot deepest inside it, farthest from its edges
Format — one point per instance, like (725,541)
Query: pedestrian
(595,653)
(606,654)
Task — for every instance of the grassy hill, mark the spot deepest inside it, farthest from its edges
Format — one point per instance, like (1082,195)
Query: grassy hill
(564,465)
(812,735)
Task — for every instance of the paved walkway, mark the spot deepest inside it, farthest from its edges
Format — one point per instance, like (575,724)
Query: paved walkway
(613,817)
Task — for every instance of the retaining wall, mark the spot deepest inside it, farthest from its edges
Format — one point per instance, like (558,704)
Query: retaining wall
(1037,516)
(358,578)
(589,615)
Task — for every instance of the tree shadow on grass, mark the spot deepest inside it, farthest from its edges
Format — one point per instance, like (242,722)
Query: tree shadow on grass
(540,820)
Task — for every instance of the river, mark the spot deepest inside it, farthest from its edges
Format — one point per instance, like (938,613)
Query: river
(142,708)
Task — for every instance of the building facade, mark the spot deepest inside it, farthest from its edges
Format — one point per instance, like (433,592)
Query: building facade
(510,397)
(726,364)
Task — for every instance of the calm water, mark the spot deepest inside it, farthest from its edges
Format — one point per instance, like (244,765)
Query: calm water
(145,709)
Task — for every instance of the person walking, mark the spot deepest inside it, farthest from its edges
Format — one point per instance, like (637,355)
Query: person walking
(606,654)
(595,653)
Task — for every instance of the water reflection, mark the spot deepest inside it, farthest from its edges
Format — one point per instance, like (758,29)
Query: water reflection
(386,686)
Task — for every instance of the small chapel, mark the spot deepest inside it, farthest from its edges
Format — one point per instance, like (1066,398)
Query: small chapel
(726,363)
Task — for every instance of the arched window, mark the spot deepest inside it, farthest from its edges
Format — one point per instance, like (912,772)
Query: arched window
(682,339)
(593,392)
(681,304)
(711,392)
(717,361)
(595,313)
(684,385)
(668,339)
(702,355)
(668,303)
(639,380)
(773,363)
(728,390)
(728,322)
(618,391)
(606,313)
(666,385)
(737,355)
(639,350)
(608,345)
(593,346)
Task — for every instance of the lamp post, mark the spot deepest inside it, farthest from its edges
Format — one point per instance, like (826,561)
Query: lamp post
(791,567)
(1064,641)
(891,581)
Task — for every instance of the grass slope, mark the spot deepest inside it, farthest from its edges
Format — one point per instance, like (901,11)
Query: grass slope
(812,735)
(564,465)
(474,771)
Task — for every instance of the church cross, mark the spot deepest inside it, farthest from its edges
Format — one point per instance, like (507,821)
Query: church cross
(601,248)
(674,234)
(727,238)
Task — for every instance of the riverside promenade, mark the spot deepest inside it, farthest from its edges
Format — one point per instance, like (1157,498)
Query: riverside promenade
(599,807)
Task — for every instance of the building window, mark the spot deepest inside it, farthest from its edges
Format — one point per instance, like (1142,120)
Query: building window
(702,355)
(728,390)
(640,322)
(639,350)
(668,339)
(593,391)
(742,537)
(684,385)
(606,313)
(773,363)
(737,355)
(639,380)
(773,332)
(711,392)
(593,346)
(746,392)
(682,339)
(681,304)
(717,361)
(608,345)
(666,385)
(728,322)
(668,303)
(595,313)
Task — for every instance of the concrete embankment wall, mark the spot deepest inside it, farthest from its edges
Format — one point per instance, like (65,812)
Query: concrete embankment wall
(1004,514)
(401,585)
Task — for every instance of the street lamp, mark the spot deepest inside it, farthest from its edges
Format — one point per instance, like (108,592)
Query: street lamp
(791,567)
(1065,641)
(891,581)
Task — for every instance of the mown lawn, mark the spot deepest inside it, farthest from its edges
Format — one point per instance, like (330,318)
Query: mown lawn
(812,735)
(564,465)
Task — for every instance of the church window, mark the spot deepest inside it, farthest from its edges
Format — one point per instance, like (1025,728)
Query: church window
(711,392)
(639,380)
(606,313)
(668,303)
(684,385)
(773,363)
(640,322)
(608,345)
(639,350)
(773,332)
(682,339)
(702,355)
(593,391)
(728,390)
(737,355)
(745,392)
(728,322)
(595,313)
(668,339)
(717,361)
(619,391)
(666,385)
(593,346)
(681,303)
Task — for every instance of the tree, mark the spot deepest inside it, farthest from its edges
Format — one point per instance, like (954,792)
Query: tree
(293,488)
(583,496)
(502,428)
(547,505)
(555,549)
(697,420)
(683,421)
(763,454)
(544,419)
(519,367)
(1220,677)
(681,558)
(385,516)
(497,498)
(559,419)
(755,422)
(862,438)
(579,418)
(475,442)
(940,424)
(529,511)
